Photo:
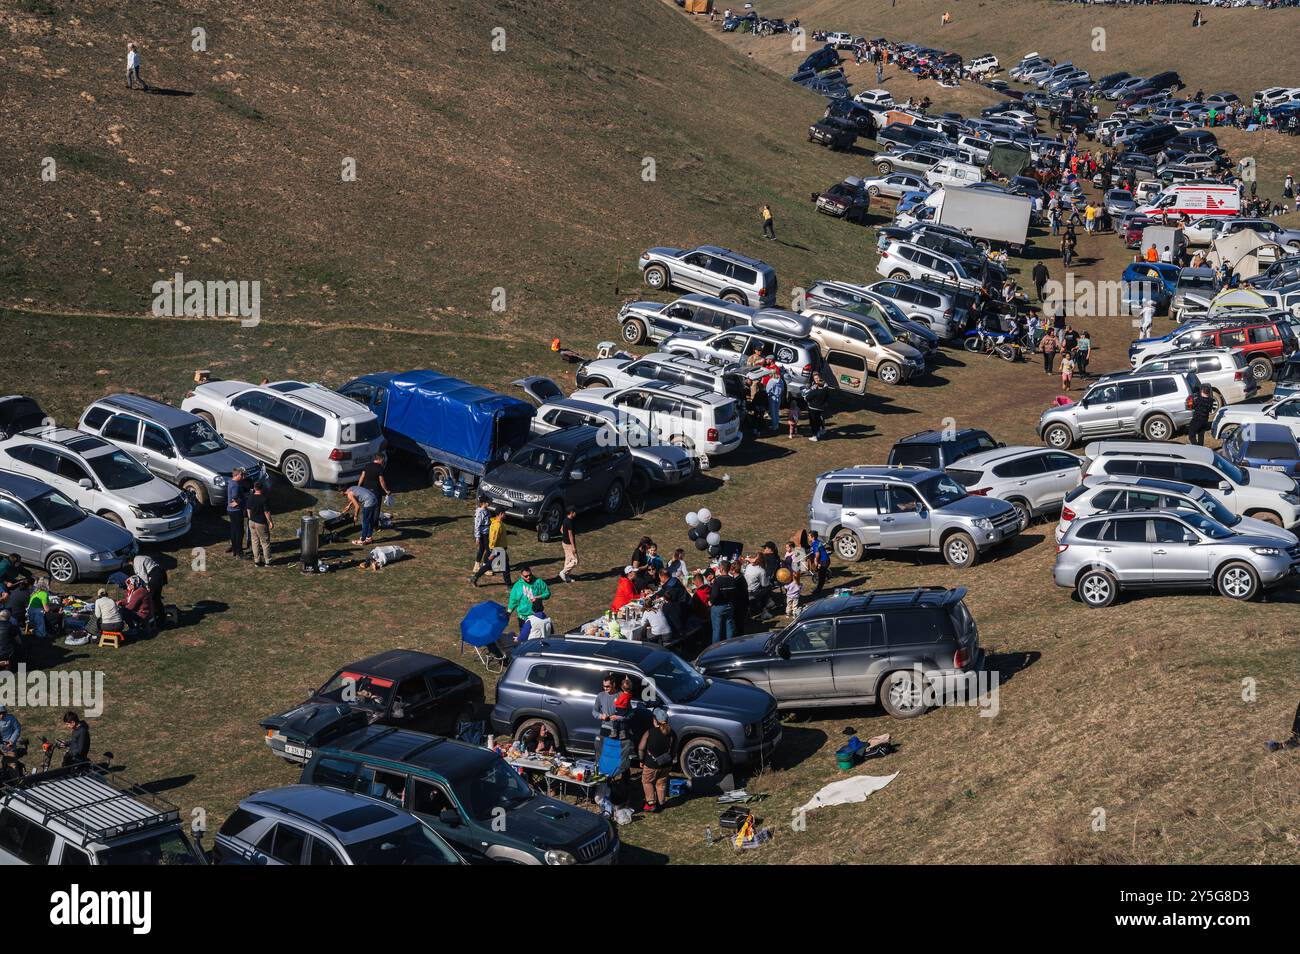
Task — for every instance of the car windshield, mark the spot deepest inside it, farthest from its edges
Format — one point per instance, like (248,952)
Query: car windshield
(1272,450)
(164,848)
(413,845)
(1289,372)
(1217,511)
(197,439)
(1211,528)
(1196,281)
(489,785)
(543,459)
(1235,473)
(941,490)
(119,470)
(55,512)
(676,680)
(366,692)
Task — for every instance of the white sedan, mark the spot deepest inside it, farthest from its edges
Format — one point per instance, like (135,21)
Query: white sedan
(1277,411)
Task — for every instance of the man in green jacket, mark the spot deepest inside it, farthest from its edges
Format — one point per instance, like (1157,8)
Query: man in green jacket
(526,589)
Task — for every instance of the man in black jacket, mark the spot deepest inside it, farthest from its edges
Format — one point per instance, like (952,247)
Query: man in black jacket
(817,397)
(1202,408)
(79,741)
(1040,275)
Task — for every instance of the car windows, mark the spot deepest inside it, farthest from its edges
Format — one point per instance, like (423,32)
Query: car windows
(571,680)
(1198,475)
(95,417)
(1091,531)
(1126,531)
(1232,339)
(25,839)
(253,402)
(1263,334)
(11,512)
(817,636)
(122,427)
(1134,390)
(430,799)
(69,469)
(911,627)
(833,492)
(1205,363)
(1024,467)
(861,632)
(413,692)
(1057,461)
(1163,386)
(860,496)
(73,856)
(321,853)
(284,843)
(896,499)
(156,439)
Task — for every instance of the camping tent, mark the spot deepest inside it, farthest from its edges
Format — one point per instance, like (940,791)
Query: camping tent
(1247,253)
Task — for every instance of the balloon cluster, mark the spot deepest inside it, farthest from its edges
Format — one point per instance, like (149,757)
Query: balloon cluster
(704,530)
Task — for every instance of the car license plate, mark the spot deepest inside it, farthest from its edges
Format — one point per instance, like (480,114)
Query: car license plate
(1278,467)
(298,750)
(176,523)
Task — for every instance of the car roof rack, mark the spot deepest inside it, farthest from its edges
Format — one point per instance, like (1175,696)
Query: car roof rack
(87,799)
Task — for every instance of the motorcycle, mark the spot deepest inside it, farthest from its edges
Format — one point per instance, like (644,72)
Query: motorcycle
(1005,346)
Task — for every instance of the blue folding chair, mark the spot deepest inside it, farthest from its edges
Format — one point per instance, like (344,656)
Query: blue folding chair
(612,760)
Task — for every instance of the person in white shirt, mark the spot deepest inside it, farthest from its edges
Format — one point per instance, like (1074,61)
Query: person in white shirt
(1148,316)
(133,68)
(660,630)
(108,615)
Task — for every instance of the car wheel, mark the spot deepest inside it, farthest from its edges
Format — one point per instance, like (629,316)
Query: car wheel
(847,546)
(899,275)
(62,568)
(903,694)
(1097,589)
(873,191)
(1267,516)
(207,417)
(1261,368)
(1157,427)
(524,727)
(735,298)
(113,518)
(959,550)
(682,441)
(1026,515)
(1227,431)
(614,497)
(551,518)
(1218,400)
(197,491)
(296,470)
(640,483)
(703,759)
(1237,581)
(886,168)
(656,276)
(889,373)
(596,382)
(634,332)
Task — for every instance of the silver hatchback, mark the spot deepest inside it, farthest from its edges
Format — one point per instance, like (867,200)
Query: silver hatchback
(1168,549)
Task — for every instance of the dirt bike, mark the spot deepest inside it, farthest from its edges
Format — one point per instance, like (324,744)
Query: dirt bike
(1001,344)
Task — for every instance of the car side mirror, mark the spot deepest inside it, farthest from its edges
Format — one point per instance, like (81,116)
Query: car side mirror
(449,817)
(783,651)
(85,484)
(1225,486)
(578,474)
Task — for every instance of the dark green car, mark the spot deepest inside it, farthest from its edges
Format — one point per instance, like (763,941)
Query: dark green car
(468,795)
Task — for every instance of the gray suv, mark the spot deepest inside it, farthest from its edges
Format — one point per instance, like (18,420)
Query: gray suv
(180,447)
(782,334)
(1156,405)
(858,649)
(1159,549)
(712,270)
(641,321)
(1033,480)
(718,723)
(907,508)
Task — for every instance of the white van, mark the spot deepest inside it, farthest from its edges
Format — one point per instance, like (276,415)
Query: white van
(950,172)
(1192,200)
(984,65)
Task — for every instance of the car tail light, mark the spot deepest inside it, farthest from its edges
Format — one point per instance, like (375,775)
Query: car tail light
(270,732)
(1062,547)
(884,254)
(807,370)
(762,291)
(337,454)
(949,312)
(981,492)
(1189,402)
(711,434)
(1238,376)
(959,658)
(1067,513)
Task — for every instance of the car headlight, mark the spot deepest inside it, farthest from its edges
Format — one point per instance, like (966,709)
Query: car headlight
(1292,499)
(140,514)
(102,557)
(487,488)
(751,730)
(531,498)
(557,857)
(219,481)
(1266,551)
(983,523)
(666,464)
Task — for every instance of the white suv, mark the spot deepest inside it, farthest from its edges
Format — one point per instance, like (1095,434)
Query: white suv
(101,478)
(1223,369)
(905,261)
(305,431)
(700,420)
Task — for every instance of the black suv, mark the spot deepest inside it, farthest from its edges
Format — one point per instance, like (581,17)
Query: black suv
(833,133)
(886,646)
(574,467)
(937,449)
(855,113)
(399,687)
(465,793)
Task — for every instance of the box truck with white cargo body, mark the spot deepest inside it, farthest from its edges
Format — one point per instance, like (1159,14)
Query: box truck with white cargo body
(988,216)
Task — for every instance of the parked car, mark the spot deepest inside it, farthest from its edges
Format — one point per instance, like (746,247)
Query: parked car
(311,825)
(904,261)
(1106,493)
(943,307)
(907,508)
(84,815)
(895,184)
(783,334)
(876,309)
(1223,369)
(729,275)
(305,431)
(854,343)
(467,794)
(915,160)
(1285,410)
(895,647)
(20,413)
(455,430)
(718,723)
(845,200)
(1033,480)
(838,134)
(102,478)
(1118,202)
(642,321)
(1162,549)
(399,687)
(621,372)
(690,416)
(179,447)
(1192,281)
(937,450)
(46,529)
(1156,405)
(577,467)
(1263,342)
(1267,496)
(1264,447)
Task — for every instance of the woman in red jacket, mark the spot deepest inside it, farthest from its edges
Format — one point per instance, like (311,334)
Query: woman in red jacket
(626,592)
(137,608)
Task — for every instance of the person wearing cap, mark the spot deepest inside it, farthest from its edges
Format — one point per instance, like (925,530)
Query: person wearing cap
(625,592)
(108,615)
(656,753)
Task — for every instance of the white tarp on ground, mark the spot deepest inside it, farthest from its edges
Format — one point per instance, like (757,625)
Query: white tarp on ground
(855,789)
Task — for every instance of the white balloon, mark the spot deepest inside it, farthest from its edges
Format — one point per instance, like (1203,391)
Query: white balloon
(704,514)
(714,539)
(692,519)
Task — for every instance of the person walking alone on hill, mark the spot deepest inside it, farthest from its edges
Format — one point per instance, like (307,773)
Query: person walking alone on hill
(769,226)
(133,68)
(569,543)
(1040,276)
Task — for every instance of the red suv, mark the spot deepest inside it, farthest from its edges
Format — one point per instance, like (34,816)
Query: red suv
(1263,342)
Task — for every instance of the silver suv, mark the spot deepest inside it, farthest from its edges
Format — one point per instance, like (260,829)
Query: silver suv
(782,334)
(181,448)
(907,508)
(662,366)
(641,321)
(854,344)
(1031,479)
(943,309)
(1223,369)
(904,261)
(712,270)
(699,420)
(1158,549)
(1156,405)
(305,431)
